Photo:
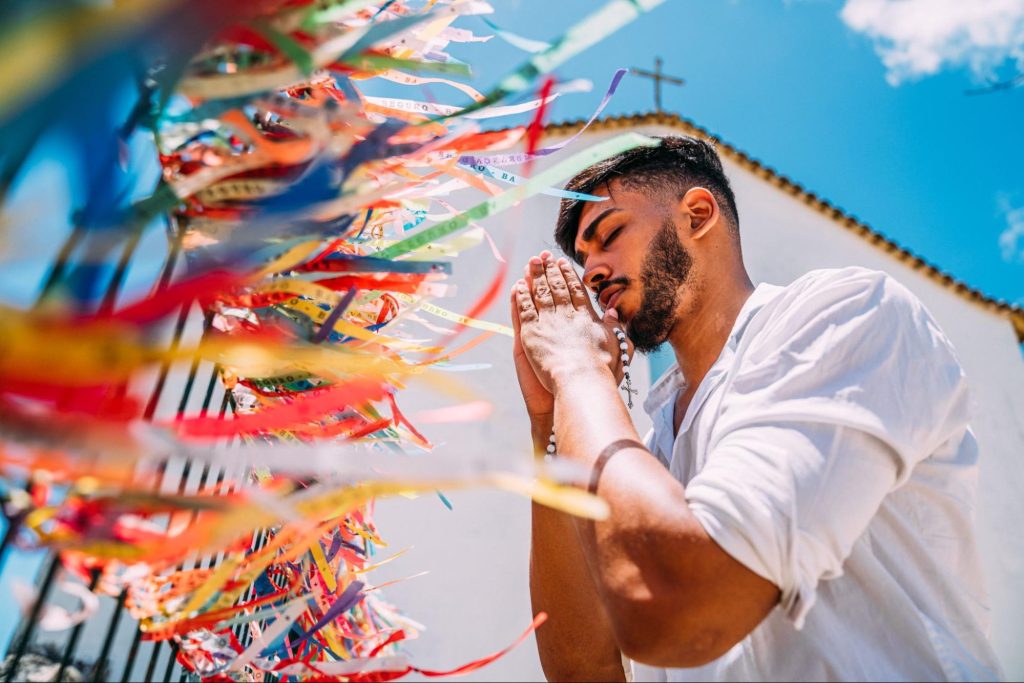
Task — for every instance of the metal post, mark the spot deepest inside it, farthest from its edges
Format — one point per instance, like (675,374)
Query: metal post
(13,526)
(76,633)
(29,624)
(108,640)
(170,662)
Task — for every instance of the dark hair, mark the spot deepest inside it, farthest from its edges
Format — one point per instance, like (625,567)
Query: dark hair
(676,165)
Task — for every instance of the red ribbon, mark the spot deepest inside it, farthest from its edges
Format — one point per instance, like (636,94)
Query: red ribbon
(310,407)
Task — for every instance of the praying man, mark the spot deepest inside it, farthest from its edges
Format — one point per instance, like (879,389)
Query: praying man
(802,507)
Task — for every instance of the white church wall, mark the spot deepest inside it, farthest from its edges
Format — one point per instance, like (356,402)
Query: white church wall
(476,597)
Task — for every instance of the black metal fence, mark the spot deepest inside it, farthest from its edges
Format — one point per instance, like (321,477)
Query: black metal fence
(109,645)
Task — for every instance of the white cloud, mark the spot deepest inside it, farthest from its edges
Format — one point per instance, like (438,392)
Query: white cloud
(917,38)
(1011,240)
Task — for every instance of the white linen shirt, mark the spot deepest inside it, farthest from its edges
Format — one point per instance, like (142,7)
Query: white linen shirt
(828,451)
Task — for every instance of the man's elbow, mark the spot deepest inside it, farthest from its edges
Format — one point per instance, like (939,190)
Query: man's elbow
(564,673)
(670,642)
(683,622)
(566,663)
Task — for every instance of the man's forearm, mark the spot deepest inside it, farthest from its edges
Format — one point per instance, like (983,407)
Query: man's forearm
(577,642)
(674,597)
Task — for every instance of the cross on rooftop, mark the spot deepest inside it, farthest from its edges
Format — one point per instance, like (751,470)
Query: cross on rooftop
(657,76)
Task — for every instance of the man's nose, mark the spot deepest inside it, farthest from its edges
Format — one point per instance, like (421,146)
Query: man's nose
(593,277)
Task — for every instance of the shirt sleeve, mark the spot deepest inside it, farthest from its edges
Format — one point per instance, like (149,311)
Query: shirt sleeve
(839,390)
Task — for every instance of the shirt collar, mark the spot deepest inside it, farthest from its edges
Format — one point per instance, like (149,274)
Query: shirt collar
(672,382)
(664,390)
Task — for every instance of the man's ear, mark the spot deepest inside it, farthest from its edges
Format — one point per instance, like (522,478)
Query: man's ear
(701,209)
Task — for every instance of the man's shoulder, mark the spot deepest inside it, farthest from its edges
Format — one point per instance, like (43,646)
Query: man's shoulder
(852,311)
(855,347)
(862,294)
(848,280)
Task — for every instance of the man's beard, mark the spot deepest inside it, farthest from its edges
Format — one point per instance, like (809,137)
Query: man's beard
(664,271)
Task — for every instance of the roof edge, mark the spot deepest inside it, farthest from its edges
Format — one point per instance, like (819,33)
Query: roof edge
(1013,312)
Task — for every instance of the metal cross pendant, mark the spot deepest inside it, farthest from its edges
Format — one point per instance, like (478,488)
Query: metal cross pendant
(630,391)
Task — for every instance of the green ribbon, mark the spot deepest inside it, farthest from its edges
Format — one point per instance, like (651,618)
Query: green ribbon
(317,15)
(538,183)
(289,47)
(367,62)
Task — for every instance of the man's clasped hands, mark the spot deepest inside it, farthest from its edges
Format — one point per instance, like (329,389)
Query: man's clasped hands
(559,335)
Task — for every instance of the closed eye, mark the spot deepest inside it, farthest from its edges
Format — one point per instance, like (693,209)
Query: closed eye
(611,237)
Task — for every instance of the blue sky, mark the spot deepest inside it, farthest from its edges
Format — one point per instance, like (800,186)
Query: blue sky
(794,85)
(799,84)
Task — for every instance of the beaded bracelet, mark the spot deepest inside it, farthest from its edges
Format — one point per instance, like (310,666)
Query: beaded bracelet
(628,388)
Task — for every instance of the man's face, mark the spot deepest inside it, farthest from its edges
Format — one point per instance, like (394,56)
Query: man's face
(634,261)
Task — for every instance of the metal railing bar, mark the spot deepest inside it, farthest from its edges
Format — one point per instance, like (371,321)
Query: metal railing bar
(76,633)
(153,658)
(30,622)
(13,527)
(108,640)
(60,263)
(172,657)
(117,279)
(165,366)
(132,653)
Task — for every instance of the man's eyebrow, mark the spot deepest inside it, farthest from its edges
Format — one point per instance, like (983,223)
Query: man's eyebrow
(588,234)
